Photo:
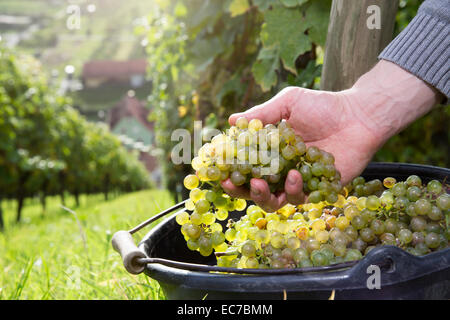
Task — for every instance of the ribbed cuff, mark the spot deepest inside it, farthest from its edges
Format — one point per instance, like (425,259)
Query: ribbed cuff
(423,49)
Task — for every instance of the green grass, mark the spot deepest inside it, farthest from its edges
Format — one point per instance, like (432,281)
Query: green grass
(46,257)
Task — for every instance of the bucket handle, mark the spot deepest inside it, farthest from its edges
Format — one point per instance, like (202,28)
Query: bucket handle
(133,258)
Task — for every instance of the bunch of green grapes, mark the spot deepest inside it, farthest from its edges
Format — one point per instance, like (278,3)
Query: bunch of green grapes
(322,234)
(201,228)
(249,150)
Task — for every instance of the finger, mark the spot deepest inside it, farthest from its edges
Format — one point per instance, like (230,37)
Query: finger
(294,188)
(235,191)
(270,111)
(260,194)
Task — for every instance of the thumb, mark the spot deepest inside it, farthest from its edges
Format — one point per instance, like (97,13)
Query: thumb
(270,111)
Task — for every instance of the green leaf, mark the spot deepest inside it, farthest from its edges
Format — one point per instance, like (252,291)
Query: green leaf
(264,4)
(265,67)
(286,28)
(317,18)
(232,85)
(238,7)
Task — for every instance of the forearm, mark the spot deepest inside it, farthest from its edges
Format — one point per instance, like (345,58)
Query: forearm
(388,98)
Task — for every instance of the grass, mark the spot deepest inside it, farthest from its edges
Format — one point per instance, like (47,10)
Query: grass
(65,256)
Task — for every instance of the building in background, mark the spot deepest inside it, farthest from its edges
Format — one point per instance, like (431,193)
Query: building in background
(129,73)
(129,120)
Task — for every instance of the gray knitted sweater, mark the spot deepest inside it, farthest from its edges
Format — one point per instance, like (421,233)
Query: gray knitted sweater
(423,48)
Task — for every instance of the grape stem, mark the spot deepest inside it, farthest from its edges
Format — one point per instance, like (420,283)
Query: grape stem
(221,254)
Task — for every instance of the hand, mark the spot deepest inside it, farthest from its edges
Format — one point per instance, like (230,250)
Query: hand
(351,124)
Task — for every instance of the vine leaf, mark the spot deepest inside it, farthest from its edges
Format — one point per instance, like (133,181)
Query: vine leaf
(264,4)
(317,21)
(265,67)
(286,28)
(238,7)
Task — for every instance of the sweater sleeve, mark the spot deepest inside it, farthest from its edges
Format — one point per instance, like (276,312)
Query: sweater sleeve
(423,47)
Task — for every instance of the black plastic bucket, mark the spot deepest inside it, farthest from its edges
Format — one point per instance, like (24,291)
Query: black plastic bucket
(402,275)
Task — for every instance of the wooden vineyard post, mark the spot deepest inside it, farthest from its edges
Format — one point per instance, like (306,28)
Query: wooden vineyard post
(357,32)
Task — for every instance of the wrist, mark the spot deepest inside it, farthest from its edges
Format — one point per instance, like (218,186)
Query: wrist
(388,98)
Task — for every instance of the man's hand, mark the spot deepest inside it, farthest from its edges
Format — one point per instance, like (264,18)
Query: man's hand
(351,124)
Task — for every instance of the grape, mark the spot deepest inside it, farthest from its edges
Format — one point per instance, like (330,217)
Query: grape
(300,148)
(319,259)
(208,218)
(192,245)
(358,222)
(435,214)
(413,193)
(417,237)
(414,180)
(255,125)
(305,263)
(352,254)
(342,223)
(399,189)
(202,206)
(252,263)
(367,234)
(182,218)
(432,240)
(390,226)
(405,236)
(317,169)
(373,203)
(210,196)
(221,214)
(288,152)
(248,249)
(312,244)
(322,236)
(434,187)
(196,218)
(230,235)
(388,238)
(191,182)
(193,231)
(217,238)
(237,178)
(443,202)
(389,182)
(359,244)
(306,173)
(422,207)
(313,154)
(242,123)
(418,224)
(213,173)
(377,227)
(315,197)
(277,240)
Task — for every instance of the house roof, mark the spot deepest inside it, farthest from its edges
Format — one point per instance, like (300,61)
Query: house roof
(129,106)
(113,69)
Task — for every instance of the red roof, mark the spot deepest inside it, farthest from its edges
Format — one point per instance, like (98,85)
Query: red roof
(112,69)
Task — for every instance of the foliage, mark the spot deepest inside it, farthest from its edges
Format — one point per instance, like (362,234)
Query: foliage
(220,57)
(46,147)
(213,58)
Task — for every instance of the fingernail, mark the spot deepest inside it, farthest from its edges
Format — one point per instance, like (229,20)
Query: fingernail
(255,190)
(292,180)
